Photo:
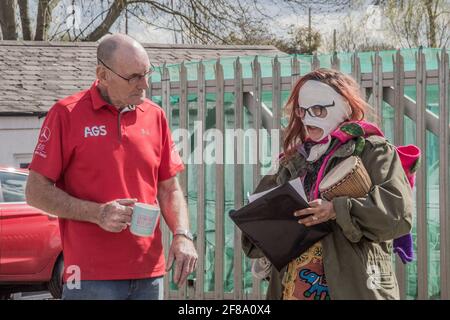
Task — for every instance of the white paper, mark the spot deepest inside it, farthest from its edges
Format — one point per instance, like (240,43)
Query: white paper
(296,184)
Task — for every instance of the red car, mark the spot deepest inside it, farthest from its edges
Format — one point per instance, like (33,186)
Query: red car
(30,245)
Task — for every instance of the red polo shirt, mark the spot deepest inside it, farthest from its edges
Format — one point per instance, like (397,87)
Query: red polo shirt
(94,152)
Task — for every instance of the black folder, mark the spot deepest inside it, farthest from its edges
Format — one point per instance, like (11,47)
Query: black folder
(269,223)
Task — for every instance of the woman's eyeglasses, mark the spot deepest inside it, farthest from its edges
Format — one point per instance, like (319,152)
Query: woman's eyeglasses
(315,111)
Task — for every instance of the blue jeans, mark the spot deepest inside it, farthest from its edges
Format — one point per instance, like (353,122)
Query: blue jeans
(136,289)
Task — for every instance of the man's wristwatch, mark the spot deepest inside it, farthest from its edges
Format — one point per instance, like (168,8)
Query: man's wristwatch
(184,232)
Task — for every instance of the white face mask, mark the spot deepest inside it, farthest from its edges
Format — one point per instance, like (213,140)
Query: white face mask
(314,93)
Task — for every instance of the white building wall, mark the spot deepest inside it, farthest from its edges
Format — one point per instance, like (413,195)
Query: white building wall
(18,137)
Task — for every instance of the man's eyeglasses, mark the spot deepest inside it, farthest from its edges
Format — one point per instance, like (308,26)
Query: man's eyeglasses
(133,80)
(315,111)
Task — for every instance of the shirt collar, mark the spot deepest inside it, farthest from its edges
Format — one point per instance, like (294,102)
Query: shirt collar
(98,102)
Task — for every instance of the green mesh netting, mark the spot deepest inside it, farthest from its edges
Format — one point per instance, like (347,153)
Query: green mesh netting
(305,62)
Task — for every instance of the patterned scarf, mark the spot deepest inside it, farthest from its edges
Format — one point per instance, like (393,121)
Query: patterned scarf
(312,168)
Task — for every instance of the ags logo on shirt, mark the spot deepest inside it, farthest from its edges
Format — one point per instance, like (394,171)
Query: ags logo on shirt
(95,131)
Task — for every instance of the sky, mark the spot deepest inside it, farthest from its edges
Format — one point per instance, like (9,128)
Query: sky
(324,22)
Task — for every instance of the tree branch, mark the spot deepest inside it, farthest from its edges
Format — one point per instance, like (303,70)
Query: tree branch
(25,20)
(113,13)
(8,19)
(44,18)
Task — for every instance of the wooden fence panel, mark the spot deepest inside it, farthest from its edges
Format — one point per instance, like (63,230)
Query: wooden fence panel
(220,187)
(295,70)
(335,62)
(165,98)
(276,100)
(444,180)
(256,73)
(238,180)
(422,243)
(201,190)
(377,88)
(315,62)
(183,176)
(399,88)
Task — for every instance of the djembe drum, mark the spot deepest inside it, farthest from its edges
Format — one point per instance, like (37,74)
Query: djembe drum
(348,178)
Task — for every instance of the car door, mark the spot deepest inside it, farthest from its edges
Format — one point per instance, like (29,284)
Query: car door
(26,233)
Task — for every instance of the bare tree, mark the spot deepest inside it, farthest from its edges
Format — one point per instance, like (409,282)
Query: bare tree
(304,40)
(420,22)
(44,18)
(192,21)
(25,19)
(8,19)
(203,21)
(115,10)
(355,33)
(402,23)
(197,21)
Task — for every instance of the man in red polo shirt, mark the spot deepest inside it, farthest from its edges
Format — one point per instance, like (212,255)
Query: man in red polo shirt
(100,151)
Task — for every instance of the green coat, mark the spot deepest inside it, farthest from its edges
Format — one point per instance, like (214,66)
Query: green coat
(364,228)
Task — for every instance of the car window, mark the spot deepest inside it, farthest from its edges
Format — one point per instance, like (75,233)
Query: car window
(12,186)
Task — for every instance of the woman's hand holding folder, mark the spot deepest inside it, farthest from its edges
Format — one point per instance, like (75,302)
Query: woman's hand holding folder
(269,223)
(319,211)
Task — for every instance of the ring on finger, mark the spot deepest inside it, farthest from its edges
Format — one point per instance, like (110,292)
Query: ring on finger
(314,218)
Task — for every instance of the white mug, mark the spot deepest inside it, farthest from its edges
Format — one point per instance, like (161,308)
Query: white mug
(144,219)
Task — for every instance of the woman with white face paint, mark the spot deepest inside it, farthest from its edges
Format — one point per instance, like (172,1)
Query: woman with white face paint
(326,126)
